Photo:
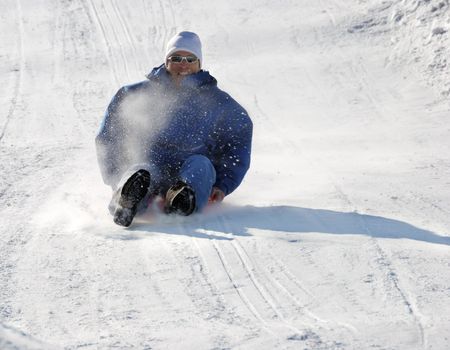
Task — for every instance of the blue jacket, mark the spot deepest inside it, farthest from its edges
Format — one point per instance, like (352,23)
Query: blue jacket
(155,122)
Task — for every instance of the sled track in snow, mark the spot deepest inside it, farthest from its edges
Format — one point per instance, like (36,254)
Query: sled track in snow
(109,55)
(19,71)
(257,293)
(263,292)
(265,299)
(385,266)
(209,306)
(257,313)
(219,279)
(285,284)
(127,34)
(202,269)
(245,300)
(168,31)
(359,74)
(116,39)
(290,285)
(269,292)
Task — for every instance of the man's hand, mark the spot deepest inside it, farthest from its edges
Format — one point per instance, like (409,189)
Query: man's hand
(217,195)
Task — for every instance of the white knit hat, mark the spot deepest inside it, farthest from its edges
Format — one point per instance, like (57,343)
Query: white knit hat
(185,41)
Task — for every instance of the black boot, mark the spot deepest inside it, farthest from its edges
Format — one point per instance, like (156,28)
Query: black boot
(180,199)
(130,195)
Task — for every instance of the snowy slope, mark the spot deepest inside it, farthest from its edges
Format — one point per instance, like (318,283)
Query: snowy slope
(339,237)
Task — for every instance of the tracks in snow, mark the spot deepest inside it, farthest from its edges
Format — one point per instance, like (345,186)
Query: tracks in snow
(393,284)
(359,73)
(235,288)
(247,293)
(109,53)
(120,42)
(19,71)
(355,74)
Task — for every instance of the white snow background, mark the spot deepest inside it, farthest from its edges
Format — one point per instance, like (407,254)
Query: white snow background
(339,237)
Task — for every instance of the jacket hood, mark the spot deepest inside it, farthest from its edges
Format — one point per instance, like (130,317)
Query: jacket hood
(201,80)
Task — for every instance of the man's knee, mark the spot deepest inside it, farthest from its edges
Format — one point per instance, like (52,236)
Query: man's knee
(199,159)
(200,162)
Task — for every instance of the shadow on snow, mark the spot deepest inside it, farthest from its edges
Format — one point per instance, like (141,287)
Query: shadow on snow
(224,221)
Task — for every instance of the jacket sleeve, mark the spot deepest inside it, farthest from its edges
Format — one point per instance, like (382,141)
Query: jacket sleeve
(108,141)
(233,148)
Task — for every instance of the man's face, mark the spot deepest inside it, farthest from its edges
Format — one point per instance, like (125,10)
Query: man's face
(183,68)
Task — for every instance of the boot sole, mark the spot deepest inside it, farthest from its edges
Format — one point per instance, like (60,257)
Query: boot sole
(133,191)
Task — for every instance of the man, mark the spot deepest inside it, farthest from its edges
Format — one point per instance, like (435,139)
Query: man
(175,135)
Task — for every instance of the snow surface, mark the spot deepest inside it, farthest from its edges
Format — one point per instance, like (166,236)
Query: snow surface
(339,237)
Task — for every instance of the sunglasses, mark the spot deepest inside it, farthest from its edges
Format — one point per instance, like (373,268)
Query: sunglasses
(179,59)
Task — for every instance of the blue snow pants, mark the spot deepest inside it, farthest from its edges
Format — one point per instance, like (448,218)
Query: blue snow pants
(197,171)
